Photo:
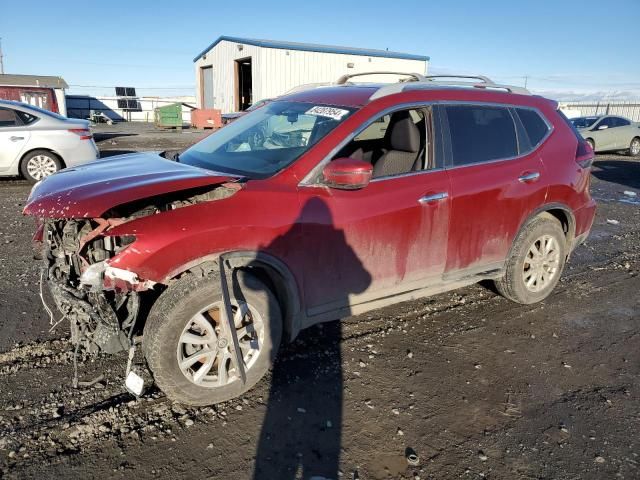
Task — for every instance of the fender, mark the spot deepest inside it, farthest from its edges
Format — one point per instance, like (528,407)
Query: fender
(571,227)
(284,282)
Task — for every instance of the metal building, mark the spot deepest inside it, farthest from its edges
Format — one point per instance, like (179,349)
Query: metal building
(232,73)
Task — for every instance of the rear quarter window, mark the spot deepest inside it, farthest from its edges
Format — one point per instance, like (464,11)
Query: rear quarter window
(534,125)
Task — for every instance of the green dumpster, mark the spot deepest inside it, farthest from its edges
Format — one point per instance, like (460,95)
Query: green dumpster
(168,116)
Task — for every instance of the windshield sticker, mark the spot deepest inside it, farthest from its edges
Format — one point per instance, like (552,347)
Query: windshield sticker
(329,112)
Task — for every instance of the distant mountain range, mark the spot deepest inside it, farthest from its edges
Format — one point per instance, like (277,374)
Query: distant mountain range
(592,96)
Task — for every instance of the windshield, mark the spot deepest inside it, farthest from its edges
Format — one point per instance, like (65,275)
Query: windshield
(266,140)
(584,122)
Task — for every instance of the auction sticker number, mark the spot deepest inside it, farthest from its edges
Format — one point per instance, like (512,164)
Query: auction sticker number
(329,112)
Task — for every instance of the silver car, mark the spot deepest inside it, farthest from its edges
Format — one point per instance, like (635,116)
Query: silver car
(609,132)
(36,143)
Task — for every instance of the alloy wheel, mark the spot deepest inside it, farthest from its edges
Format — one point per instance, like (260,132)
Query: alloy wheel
(541,263)
(635,147)
(40,166)
(204,352)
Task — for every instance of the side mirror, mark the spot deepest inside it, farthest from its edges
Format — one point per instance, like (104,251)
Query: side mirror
(347,174)
(602,127)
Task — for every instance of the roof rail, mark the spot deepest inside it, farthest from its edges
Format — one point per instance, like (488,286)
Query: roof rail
(429,81)
(415,77)
(417,81)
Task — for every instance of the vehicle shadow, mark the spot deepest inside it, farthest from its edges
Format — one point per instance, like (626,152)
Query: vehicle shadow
(622,172)
(113,153)
(301,432)
(102,136)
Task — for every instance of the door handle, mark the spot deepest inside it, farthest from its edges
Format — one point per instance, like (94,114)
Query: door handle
(529,177)
(432,198)
(15,139)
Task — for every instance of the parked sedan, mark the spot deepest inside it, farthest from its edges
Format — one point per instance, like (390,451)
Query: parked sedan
(609,132)
(36,143)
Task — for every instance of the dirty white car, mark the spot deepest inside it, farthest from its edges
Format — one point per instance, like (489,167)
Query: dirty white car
(36,143)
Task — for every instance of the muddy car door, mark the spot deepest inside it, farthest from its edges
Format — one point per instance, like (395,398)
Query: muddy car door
(497,179)
(387,237)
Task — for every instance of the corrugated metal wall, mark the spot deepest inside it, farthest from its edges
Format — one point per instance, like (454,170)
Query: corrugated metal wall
(630,109)
(275,71)
(286,69)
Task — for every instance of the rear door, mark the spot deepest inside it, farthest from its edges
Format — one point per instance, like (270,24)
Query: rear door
(13,138)
(497,179)
(604,134)
(623,132)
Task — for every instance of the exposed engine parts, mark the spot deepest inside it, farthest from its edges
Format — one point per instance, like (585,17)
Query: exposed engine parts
(101,320)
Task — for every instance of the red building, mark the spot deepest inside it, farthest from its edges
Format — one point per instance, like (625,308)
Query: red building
(46,92)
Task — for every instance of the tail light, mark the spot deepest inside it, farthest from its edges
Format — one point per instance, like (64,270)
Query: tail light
(83,133)
(584,154)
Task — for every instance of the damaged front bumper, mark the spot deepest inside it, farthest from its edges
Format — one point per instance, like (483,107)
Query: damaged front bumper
(101,301)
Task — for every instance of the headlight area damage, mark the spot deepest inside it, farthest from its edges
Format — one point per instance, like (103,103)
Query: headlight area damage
(83,287)
(103,302)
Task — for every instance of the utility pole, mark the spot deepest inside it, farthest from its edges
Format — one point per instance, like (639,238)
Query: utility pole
(526,78)
(1,61)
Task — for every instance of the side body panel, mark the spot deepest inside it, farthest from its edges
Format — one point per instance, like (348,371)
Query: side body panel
(569,183)
(489,204)
(368,243)
(13,143)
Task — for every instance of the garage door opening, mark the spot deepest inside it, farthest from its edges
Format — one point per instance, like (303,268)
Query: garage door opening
(244,90)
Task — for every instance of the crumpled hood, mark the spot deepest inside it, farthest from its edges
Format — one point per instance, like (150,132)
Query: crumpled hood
(89,190)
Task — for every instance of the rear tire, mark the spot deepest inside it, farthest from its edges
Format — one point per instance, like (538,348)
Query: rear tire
(531,277)
(188,311)
(634,147)
(39,164)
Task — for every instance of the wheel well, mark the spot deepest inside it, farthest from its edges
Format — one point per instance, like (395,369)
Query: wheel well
(566,221)
(45,149)
(273,274)
(278,285)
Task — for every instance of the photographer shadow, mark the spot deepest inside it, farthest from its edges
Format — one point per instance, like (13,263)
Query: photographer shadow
(302,427)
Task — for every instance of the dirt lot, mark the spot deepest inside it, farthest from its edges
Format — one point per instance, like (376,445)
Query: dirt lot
(477,386)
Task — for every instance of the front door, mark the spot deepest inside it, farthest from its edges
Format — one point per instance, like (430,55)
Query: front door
(13,138)
(386,238)
(494,185)
(605,133)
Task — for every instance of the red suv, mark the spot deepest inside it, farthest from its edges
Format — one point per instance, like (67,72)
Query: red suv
(327,202)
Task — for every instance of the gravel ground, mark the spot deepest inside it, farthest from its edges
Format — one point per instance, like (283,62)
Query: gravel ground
(475,386)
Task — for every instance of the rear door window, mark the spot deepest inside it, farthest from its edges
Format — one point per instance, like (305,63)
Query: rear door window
(535,127)
(480,134)
(621,122)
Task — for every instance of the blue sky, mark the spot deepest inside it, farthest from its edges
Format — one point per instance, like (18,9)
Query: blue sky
(567,48)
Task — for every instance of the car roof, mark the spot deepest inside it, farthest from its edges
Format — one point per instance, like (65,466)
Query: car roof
(18,105)
(358,95)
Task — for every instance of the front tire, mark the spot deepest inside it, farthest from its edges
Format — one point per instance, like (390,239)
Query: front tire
(39,164)
(536,261)
(592,143)
(186,346)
